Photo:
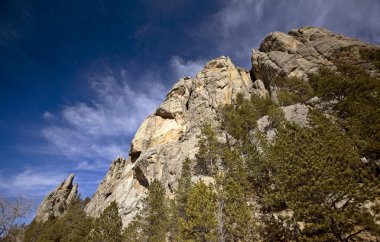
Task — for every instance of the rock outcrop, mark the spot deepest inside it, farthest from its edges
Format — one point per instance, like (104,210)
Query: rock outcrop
(302,51)
(169,136)
(56,203)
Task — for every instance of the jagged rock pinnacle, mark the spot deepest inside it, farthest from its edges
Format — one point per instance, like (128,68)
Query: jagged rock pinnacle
(56,203)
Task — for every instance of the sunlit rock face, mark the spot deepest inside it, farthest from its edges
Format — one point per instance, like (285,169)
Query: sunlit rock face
(56,203)
(169,136)
(301,51)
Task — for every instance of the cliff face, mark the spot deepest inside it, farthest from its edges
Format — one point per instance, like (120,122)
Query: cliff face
(169,136)
(302,51)
(56,203)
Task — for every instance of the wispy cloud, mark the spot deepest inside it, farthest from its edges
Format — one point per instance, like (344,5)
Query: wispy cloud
(182,68)
(30,183)
(241,24)
(102,128)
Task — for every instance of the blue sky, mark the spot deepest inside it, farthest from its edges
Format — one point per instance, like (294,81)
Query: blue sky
(77,77)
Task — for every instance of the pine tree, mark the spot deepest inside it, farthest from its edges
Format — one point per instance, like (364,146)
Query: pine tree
(354,96)
(157,213)
(318,174)
(108,226)
(133,232)
(181,197)
(75,224)
(209,151)
(237,220)
(200,223)
(235,167)
(152,223)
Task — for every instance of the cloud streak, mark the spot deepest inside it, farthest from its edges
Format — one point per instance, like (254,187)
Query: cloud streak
(241,24)
(103,127)
(182,68)
(31,183)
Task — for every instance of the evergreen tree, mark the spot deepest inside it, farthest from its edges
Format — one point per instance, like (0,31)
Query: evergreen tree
(235,167)
(354,96)
(33,231)
(237,220)
(75,224)
(133,232)
(318,174)
(108,226)
(180,200)
(209,151)
(293,90)
(152,223)
(156,213)
(240,118)
(200,223)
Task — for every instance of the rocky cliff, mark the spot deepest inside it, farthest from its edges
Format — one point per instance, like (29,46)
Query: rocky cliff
(302,51)
(56,203)
(169,136)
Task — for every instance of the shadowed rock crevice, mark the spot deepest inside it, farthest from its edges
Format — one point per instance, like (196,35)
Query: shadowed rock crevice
(134,156)
(140,177)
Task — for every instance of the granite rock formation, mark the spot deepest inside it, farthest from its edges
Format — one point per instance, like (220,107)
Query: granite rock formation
(56,203)
(302,51)
(169,136)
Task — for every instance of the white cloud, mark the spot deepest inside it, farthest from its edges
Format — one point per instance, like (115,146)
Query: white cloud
(103,127)
(31,183)
(242,24)
(96,165)
(182,68)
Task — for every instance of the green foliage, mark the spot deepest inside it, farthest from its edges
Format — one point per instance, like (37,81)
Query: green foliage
(239,119)
(235,167)
(108,226)
(200,223)
(276,116)
(156,213)
(33,231)
(371,55)
(209,151)
(261,105)
(184,185)
(152,224)
(317,174)
(237,220)
(242,160)
(294,90)
(73,226)
(133,232)
(180,200)
(355,98)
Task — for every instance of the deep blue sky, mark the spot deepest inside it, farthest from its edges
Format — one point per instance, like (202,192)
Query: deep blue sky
(77,77)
